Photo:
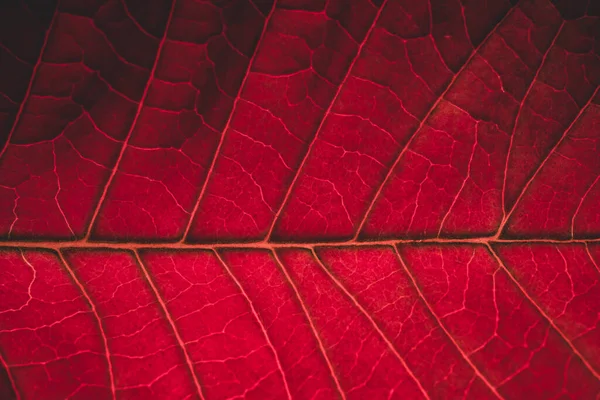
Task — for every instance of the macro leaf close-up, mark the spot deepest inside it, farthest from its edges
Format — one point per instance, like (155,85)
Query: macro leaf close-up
(299,199)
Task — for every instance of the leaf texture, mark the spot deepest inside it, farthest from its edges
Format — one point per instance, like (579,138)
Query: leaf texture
(299,199)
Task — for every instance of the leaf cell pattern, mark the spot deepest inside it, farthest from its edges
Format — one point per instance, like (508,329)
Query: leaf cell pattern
(299,199)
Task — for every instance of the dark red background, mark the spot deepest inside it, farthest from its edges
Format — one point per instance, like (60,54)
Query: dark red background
(300,199)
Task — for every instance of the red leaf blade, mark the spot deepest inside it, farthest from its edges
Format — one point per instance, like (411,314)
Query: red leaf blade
(299,199)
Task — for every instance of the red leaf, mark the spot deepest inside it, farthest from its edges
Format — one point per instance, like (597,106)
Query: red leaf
(299,199)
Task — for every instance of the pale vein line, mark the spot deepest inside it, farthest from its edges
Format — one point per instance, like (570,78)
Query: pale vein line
(58,190)
(102,197)
(464,182)
(521,106)
(373,323)
(587,192)
(263,245)
(217,152)
(10,377)
(30,86)
(322,123)
(422,123)
(587,249)
(311,323)
(542,312)
(442,326)
(539,168)
(258,319)
(180,341)
(98,320)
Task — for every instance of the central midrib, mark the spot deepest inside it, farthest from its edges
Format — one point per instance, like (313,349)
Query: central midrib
(274,245)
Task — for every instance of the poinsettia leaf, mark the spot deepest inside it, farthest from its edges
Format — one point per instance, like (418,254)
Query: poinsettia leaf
(299,199)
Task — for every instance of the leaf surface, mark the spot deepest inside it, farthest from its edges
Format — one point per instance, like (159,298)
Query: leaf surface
(299,199)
